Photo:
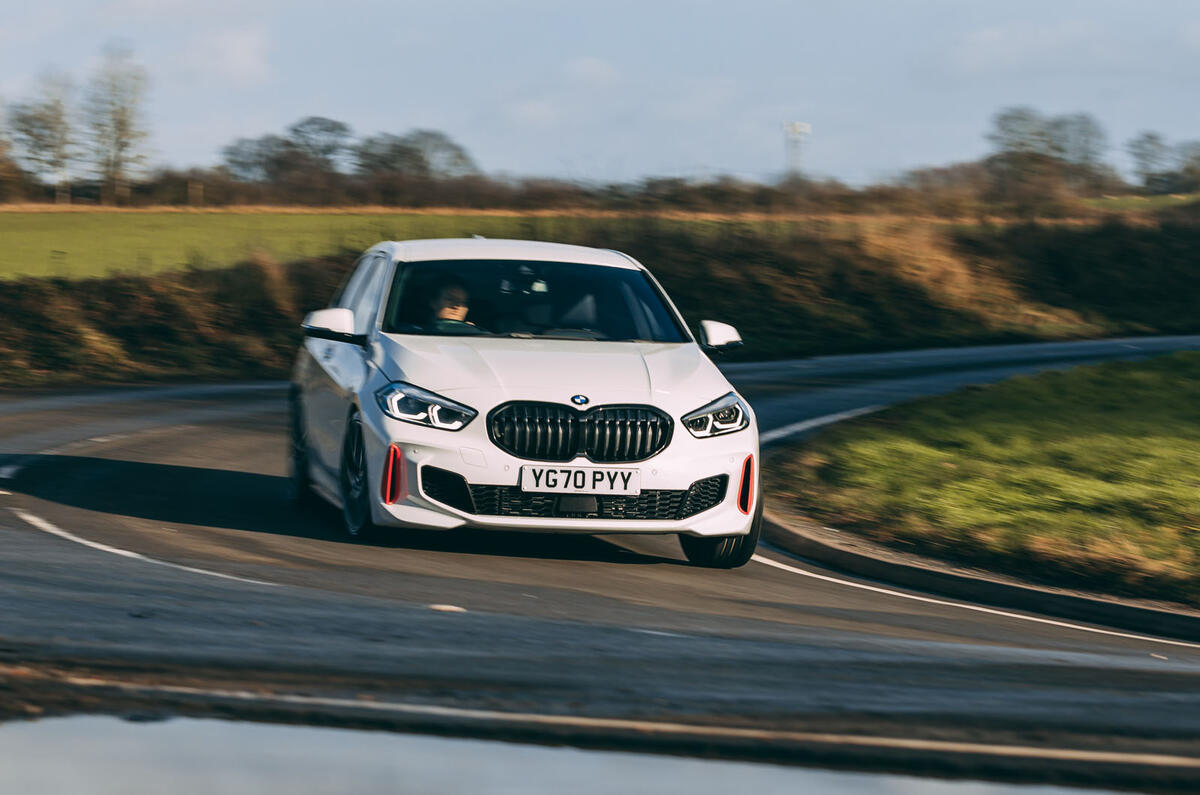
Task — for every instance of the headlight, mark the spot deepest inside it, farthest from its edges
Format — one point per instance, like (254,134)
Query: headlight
(410,403)
(724,415)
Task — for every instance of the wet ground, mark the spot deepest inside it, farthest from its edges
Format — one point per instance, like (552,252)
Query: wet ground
(108,756)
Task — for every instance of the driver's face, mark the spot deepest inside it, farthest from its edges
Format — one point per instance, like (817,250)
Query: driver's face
(451,304)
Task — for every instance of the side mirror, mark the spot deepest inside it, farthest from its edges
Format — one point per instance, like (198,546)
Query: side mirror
(716,336)
(335,324)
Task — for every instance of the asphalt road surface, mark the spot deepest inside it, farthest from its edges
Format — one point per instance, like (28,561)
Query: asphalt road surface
(145,536)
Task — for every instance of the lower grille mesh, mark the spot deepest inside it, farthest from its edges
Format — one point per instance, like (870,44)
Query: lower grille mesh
(451,489)
(446,487)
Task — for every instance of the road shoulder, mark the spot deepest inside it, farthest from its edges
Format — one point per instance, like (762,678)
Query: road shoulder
(854,555)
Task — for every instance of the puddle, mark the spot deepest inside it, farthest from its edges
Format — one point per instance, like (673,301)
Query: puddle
(109,756)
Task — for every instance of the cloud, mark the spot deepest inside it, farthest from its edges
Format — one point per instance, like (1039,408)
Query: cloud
(237,56)
(1028,46)
(1191,35)
(146,7)
(32,23)
(536,112)
(14,88)
(570,94)
(703,100)
(593,72)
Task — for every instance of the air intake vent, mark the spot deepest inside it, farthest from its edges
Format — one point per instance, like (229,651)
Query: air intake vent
(657,504)
(554,432)
(447,487)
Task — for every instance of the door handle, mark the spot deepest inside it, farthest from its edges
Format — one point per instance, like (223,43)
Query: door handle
(327,354)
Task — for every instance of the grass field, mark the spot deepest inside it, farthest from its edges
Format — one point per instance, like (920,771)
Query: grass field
(1088,476)
(82,244)
(79,242)
(1141,203)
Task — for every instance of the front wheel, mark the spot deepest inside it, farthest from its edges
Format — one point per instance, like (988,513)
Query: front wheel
(724,552)
(356,492)
(299,483)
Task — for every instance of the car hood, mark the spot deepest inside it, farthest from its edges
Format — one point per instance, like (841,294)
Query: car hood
(490,370)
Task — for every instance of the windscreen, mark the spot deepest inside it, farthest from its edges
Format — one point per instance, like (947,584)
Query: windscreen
(519,298)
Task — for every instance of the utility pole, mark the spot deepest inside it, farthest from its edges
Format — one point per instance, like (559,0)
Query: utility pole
(794,134)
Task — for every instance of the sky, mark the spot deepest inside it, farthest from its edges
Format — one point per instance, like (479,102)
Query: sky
(622,90)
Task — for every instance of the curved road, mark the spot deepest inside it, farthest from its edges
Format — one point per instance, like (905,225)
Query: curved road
(145,538)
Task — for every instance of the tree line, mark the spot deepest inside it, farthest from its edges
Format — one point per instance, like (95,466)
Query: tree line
(1041,164)
(52,138)
(64,144)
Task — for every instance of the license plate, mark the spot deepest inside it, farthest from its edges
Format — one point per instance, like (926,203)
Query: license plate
(580,480)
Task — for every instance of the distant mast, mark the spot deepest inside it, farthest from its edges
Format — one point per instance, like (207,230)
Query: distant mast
(794,133)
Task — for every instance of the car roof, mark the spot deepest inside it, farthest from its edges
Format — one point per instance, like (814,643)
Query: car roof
(487,248)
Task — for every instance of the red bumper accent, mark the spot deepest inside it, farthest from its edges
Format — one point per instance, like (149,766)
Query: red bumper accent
(746,487)
(394,482)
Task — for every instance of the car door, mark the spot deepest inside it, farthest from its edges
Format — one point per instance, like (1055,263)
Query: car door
(340,368)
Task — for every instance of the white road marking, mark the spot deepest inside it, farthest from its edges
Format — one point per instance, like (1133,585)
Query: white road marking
(657,727)
(659,633)
(4,493)
(448,608)
(794,428)
(47,527)
(967,606)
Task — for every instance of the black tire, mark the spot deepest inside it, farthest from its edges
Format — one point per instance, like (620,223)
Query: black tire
(724,552)
(355,483)
(300,490)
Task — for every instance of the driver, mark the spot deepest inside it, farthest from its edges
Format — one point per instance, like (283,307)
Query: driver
(449,306)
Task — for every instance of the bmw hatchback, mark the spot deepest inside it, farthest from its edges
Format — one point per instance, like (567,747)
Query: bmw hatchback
(524,386)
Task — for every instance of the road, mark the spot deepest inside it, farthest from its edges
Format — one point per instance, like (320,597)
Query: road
(145,537)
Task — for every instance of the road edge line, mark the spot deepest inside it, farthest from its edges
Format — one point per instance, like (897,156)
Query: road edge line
(39,523)
(1142,620)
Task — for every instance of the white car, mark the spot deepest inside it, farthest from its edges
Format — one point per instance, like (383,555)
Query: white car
(526,386)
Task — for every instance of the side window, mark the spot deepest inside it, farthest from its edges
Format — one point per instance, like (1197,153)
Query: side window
(346,292)
(365,305)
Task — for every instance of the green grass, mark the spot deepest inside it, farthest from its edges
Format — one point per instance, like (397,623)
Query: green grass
(1145,203)
(1088,476)
(84,244)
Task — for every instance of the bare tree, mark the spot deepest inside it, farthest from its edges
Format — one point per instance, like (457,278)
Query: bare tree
(245,160)
(44,134)
(268,158)
(1025,172)
(11,178)
(1151,155)
(1021,130)
(113,109)
(1188,155)
(389,154)
(445,157)
(322,139)
(1079,141)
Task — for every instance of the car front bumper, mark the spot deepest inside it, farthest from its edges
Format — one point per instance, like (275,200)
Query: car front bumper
(470,454)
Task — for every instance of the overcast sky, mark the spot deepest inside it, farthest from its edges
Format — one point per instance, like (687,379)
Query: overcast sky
(621,89)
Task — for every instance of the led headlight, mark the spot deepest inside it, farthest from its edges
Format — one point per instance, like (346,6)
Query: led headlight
(724,415)
(410,403)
